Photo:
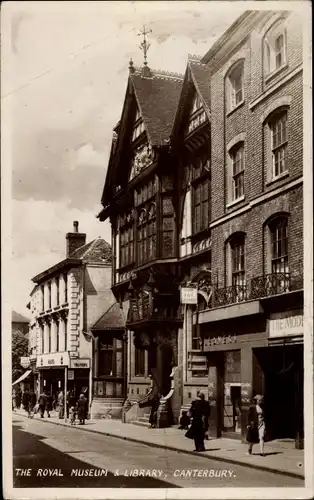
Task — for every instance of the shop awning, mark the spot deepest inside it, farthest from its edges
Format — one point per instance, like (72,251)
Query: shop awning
(22,377)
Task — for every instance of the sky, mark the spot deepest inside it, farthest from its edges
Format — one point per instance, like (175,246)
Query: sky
(63,86)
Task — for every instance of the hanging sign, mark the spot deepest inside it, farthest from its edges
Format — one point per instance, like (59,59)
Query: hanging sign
(25,361)
(188,295)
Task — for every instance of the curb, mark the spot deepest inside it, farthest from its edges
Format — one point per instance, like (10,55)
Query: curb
(178,450)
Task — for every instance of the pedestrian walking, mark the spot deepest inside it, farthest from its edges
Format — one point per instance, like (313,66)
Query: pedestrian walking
(48,407)
(81,409)
(154,410)
(72,414)
(25,399)
(31,404)
(256,424)
(42,403)
(61,404)
(18,399)
(13,400)
(199,414)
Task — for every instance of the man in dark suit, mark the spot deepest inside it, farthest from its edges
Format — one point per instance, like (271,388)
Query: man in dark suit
(199,413)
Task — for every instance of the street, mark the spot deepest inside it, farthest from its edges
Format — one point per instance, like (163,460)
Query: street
(49,455)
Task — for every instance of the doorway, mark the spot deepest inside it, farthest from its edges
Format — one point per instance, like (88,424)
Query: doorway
(283,374)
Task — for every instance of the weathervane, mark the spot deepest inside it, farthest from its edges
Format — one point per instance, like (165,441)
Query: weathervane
(144,45)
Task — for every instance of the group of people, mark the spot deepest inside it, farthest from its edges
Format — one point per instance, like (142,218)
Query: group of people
(76,407)
(196,421)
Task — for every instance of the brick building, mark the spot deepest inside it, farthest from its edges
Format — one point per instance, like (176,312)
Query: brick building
(214,202)
(66,301)
(252,331)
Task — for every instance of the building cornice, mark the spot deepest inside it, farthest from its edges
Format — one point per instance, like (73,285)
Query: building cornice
(48,273)
(260,199)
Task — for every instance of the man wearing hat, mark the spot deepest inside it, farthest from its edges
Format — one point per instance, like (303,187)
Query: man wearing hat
(256,424)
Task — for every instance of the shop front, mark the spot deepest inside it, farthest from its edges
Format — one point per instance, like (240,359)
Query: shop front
(56,372)
(233,374)
(256,355)
(53,372)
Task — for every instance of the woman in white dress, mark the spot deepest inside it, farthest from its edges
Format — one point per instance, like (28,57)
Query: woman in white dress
(256,424)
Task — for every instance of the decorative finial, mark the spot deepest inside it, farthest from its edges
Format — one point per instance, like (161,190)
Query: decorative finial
(131,67)
(144,45)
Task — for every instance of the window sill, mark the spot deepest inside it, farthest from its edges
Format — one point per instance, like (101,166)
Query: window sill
(235,202)
(275,72)
(284,175)
(239,105)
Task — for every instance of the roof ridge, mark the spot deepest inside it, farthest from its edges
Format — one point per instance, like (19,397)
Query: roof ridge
(171,75)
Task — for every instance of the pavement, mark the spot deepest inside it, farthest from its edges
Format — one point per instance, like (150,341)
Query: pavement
(46,455)
(281,457)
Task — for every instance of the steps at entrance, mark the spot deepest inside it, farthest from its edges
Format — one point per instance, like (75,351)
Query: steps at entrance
(142,421)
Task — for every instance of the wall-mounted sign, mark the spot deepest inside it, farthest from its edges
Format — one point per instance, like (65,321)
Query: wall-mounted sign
(25,361)
(188,295)
(285,324)
(80,363)
(53,360)
(224,339)
(70,374)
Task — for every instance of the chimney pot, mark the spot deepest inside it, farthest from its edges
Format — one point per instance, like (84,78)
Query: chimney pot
(74,240)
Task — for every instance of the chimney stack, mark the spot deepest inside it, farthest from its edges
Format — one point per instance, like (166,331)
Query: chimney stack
(74,240)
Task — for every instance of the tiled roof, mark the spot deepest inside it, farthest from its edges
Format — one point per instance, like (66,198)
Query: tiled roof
(18,318)
(113,319)
(97,250)
(201,75)
(158,98)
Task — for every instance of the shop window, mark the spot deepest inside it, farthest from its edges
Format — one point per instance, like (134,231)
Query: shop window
(106,356)
(232,392)
(110,362)
(235,86)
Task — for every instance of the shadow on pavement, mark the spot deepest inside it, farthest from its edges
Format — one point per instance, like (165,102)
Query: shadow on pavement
(29,452)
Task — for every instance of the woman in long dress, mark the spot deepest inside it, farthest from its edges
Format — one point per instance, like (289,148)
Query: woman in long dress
(256,424)
(81,409)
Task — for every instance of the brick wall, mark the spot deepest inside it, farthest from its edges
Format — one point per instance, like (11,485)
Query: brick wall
(252,224)
(261,97)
